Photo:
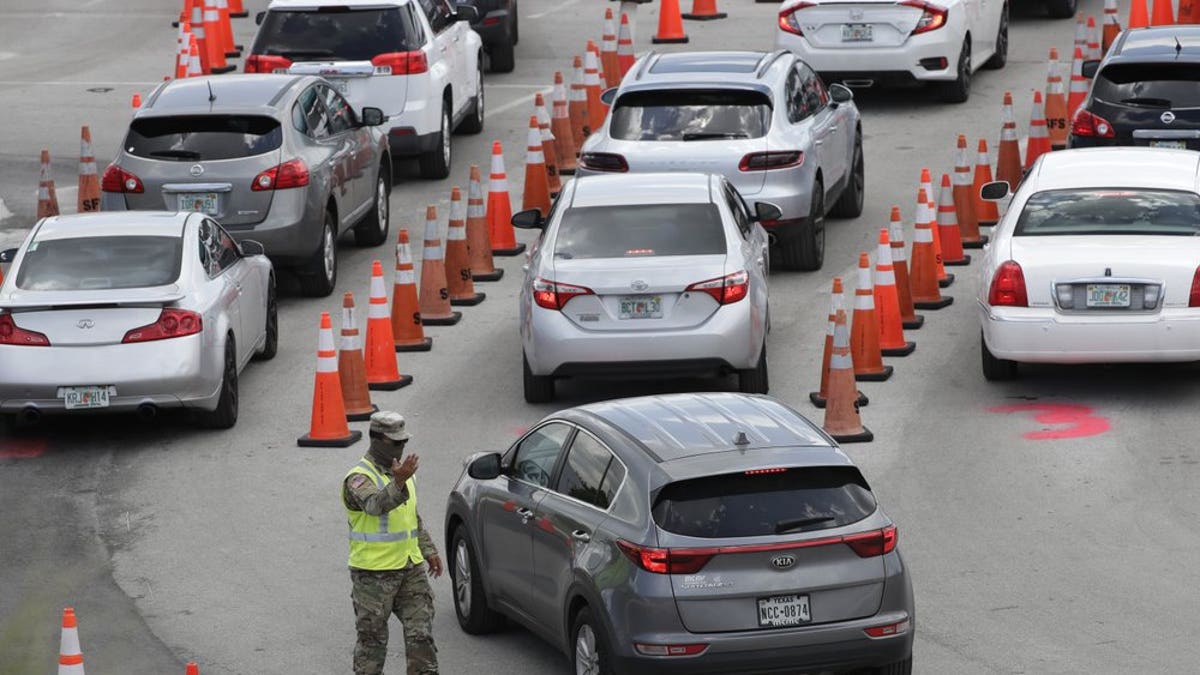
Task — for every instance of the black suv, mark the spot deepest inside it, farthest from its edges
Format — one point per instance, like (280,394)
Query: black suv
(498,27)
(1145,92)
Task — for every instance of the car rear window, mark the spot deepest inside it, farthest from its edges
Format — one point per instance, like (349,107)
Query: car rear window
(768,502)
(92,263)
(192,138)
(690,115)
(336,33)
(1110,211)
(1151,85)
(638,231)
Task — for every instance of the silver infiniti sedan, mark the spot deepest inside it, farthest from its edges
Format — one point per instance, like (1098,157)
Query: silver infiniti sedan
(132,311)
(689,533)
(644,276)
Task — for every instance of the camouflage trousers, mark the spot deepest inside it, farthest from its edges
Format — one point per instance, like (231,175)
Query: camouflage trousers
(405,593)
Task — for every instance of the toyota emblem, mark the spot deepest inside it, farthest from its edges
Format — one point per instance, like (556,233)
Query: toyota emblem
(1167,117)
(85,323)
(639,285)
(782,562)
(196,170)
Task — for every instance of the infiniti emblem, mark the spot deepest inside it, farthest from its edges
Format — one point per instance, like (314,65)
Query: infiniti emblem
(85,323)
(1167,117)
(782,562)
(639,285)
(196,170)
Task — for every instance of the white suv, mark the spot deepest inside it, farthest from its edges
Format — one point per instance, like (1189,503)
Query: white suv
(417,60)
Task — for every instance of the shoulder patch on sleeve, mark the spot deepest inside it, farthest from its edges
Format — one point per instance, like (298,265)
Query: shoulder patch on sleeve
(358,480)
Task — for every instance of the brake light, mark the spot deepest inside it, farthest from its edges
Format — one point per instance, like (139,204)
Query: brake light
(932,16)
(1194,296)
(172,323)
(665,560)
(262,63)
(888,630)
(1008,286)
(789,22)
(1091,125)
(670,650)
(12,334)
(772,159)
(116,179)
(872,544)
(553,295)
(491,21)
(725,290)
(603,161)
(757,472)
(400,63)
(290,174)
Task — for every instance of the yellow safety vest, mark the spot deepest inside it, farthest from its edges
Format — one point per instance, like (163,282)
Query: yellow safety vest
(387,542)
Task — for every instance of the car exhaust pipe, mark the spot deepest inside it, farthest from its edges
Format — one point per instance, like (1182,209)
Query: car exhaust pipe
(31,415)
(147,411)
(859,84)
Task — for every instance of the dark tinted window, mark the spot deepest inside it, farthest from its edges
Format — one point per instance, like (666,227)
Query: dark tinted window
(783,502)
(639,231)
(1111,211)
(316,119)
(1152,85)
(90,263)
(335,33)
(340,117)
(690,115)
(738,207)
(538,452)
(438,13)
(203,137)
(592,474)
(218,251)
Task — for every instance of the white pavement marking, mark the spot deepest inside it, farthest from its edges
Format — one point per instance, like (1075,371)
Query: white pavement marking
(5,214)
(524,100)
(561,5)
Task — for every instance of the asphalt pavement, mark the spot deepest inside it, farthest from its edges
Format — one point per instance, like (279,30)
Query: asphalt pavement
(1065,544)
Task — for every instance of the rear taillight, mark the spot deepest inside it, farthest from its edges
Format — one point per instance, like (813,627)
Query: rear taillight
(1194,296)
(665,560)
(789,22)
(872,544)
(1091,125)
(553,295)
(116,179)
(603,161)
(670,650)
(262,63)
(1008,286)
(172,323)
(772,159)
(491,21)
(12,334)
(932,16)
(291,174)
(889,629)
(758,472)
(725,290)
(401,63)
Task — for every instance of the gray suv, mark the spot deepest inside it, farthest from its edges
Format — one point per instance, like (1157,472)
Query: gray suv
(689,533)
(281,159)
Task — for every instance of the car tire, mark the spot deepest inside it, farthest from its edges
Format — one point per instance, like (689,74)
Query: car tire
(503,57)
(473,123)
(538,388)
(1000,57)
(898,668)
(754,380)
(1061,9)
(590,652)
(271,344)
(475,617)
(995,369)
(958,90)
(850,202)
(516,25)
(373,230)
(319,276)
(226,413)
(806,249)
(436,163)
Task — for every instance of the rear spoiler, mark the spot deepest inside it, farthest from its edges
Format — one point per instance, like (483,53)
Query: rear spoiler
(23,300)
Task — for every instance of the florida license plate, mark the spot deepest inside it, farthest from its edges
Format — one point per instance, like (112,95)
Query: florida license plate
(856,32)
(1179,145)
(77,398)
(1108,295)
(202,202)
(783,610)
(641,307)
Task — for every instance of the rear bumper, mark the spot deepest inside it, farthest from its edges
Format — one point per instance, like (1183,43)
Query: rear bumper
(886,65)
(291,232)
(406,142)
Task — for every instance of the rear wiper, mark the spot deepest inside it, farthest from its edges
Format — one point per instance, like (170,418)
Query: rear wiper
(300,53)
(1148,102)
(785,526)
(706,135)
(179,154)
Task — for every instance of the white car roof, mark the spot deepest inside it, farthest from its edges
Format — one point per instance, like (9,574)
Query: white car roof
(113,224)
(1118,167)
(642,188)
(356,4)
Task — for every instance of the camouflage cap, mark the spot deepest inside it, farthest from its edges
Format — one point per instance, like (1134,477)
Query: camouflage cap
(390,424)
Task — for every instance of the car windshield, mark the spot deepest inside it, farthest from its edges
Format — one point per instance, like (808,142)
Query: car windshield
(336,33)
(638,231)
(192,138)
(766,502)
(94,263)
(690,115)
(1150,85)
(1110,211)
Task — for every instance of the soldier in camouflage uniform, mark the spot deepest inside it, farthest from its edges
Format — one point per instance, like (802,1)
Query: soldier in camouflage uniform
(389,551)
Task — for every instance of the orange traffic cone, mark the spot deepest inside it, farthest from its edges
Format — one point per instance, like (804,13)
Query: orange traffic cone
(193,67)
(577,106)
(591,81)
(1093,51)
(908,315)
(434,299)
(887,302)
(821,397)
(458,257)
(608,51)
(352,368)
(328,428)
(231,50)
(985,210)
(947,227)
(199,32)
(1080,34)
(1189,12)
(704,10)
(1008,157)
(192,669)
(478,243)
(136,101)
(213,39)
(1057,120)
(560,125)
(1138,16)
(382,372)
(625,55)
(864,334)
(964,203)
(600,76)
(70,656)
(181,49)
(549,149)
(237,10)
(1079,85)
(499,208)
(926,293)
(1038,142)
(1112,22)
(407,333)
(537,186)
(670,24)
(89,181)
(1162,14)
(929,213)
(841,411)
(47,204)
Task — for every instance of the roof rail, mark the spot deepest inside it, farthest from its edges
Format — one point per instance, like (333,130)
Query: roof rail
(653,55)
(767,60)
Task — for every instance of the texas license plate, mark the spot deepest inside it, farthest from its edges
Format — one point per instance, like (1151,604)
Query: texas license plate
(641,307)
(856,32)
(1108,295)
(76,398)
(203,202)
(1179,145)
(783,610)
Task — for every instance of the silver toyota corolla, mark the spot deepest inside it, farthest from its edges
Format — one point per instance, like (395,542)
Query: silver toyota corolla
(690,533)
(648,275)
(123,311)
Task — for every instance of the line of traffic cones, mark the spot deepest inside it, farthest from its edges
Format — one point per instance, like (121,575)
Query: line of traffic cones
(208,22)
(70,655)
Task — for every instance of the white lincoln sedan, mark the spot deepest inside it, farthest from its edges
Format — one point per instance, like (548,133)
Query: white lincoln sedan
(1097,260)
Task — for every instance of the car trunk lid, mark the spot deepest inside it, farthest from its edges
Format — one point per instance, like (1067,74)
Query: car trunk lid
(858,25)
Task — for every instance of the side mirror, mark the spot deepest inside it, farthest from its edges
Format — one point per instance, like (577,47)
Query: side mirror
(258,18)
(1089,68)
(529,219)
(467,13)
(8,255)
(485,467)
(995,190)
(840,93)
(607,96)
(251,247)
(372,117)
(767,211)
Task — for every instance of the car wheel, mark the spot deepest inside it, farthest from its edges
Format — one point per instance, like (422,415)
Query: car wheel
(1001,56)
(754,380)
(806,249)
(1061,9)
(226,414)
(473,123)
(320,275)
(850,202)
(503,57)
(373,230)
(590,654)
(959,90)
(470,603)
(436,162)
(516,27)
(538,388)
(271,345)
(995,369)
(898,668)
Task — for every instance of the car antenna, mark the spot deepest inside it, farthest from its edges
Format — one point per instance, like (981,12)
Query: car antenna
(1178,47)
(741,440)
(211,96)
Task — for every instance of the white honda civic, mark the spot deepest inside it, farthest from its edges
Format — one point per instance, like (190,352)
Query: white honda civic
(869,42)
(1097,260)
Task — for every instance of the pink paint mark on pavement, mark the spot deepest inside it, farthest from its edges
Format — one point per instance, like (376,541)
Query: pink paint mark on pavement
(1078,421)
(21,448)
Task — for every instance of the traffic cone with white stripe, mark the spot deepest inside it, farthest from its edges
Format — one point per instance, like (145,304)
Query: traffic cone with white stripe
(70,656)
(352,367)
(478,242)
(1057,120)
(625,54)
(193,67)
(926,293)
(947,227)
(985,210)
(560,126)
(1038,142)
(836,303)
(887,302)
(930,213)
(198,32)
(549,149)
(231,50)
(864,334)
(407,333)
(328,428)
(89,182)
(1093,51)
(213,39)
(47,203)
(182,40)
(591,82)
(499,208)
(1080,34)
(964,203)
(704,10)
(1112,23)
(1008,156)
(434,298)
(537,185)
(458,257)
(909,318)
(842,421)
(577,105)
(1079,84)
(608,51)
(383,374)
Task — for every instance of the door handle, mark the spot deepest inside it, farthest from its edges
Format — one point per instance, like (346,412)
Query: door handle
(819,142)
(581,536)
(833,128)
(525,514)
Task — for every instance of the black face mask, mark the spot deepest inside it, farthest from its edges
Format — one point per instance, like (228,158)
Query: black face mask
(384,451)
